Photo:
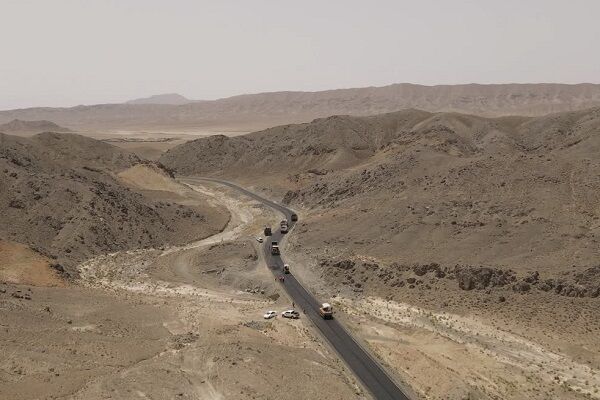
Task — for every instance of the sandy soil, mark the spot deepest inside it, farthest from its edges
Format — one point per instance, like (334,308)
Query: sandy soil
(469,343)
(147,145)
(20,264)
(467,356)
(167,323)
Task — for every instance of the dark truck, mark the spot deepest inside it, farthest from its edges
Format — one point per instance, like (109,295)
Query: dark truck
(267,231)
(283,226)
(294,217)
(275,248)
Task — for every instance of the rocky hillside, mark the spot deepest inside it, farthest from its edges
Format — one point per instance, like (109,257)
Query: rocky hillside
(259,111)
(331,143)
(60,196)
(514,193)
(18,127)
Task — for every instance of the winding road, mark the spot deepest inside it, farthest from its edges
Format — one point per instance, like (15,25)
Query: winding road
(369,371)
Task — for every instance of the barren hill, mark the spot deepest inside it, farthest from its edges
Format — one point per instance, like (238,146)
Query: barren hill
(259,111)
(19,127)
(59,194)
(326,143)
(516,193)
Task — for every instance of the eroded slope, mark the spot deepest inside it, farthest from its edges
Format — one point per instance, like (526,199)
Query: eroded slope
(59,194)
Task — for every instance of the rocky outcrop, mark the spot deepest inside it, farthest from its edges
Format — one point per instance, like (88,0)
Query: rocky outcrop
(470,278)
(362,274)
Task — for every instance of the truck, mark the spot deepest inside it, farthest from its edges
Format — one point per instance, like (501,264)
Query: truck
(275,248)
(283,226)
(286,268)
(267,231)
(294,217)
(326,311)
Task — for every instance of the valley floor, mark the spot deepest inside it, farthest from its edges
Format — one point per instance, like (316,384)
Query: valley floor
(186,322)
(177,322)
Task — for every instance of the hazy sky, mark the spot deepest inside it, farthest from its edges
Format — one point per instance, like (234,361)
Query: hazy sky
(64,53)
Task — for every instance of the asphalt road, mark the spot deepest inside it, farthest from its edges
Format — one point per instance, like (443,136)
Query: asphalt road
(370,373)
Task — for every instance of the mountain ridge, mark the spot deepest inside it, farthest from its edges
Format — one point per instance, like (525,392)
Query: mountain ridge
(250,112)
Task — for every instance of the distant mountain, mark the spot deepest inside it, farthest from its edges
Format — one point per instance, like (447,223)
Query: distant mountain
(259,111)
(19,127)
(168,98)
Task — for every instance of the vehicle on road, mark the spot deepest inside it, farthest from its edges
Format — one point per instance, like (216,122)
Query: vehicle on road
(294,217)
(283,226)
(366,368)
(293,314)
(286,268)
(270,314)
(326,311)
(268,231)
(275,248)
(259,239)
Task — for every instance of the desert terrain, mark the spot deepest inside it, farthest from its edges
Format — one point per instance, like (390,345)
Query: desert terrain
(462,249)
(61,195)
(233,200)
(182,319)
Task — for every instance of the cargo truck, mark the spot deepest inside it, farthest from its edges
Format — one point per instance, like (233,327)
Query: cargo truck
(326,311)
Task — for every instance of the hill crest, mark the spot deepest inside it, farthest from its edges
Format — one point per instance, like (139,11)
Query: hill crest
(17,126)
(166,98)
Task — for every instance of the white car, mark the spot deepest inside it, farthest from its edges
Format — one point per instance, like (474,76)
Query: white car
(259,239)
(293,314)
(270,314)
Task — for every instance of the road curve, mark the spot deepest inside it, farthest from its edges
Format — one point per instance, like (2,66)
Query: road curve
(370,373)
